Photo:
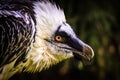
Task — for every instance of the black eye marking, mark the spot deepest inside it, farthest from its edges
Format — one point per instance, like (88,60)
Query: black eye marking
(63,35)
(58,29)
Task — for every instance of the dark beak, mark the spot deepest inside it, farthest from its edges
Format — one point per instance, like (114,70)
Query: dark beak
(80,49)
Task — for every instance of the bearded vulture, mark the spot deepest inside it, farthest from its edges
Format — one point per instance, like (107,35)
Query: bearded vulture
(34,35)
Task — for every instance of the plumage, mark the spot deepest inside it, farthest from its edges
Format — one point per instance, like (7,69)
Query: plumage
(34,35)
(13,35)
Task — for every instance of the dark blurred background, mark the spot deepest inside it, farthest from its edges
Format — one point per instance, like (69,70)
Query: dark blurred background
(97,24)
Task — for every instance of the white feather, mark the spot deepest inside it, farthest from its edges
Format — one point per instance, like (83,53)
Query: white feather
(48,17)
(42,54)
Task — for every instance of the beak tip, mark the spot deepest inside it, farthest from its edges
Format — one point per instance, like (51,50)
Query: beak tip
(88,51)
(92,53)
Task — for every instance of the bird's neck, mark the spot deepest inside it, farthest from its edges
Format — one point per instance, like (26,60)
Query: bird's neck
(39,57)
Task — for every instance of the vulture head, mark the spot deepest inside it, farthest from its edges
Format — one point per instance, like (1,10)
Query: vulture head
(34,36)
(55,40)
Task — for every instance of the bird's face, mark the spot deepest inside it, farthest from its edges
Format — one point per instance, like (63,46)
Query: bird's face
(55,40)
(64,44)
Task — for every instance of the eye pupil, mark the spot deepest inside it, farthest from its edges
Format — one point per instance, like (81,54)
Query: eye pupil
(58,37)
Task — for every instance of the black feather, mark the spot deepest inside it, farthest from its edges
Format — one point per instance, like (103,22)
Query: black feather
(16,30)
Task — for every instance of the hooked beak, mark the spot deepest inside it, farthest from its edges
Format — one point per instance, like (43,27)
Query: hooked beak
(81,50)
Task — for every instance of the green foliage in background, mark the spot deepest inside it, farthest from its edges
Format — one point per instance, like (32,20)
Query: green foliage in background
(97,23)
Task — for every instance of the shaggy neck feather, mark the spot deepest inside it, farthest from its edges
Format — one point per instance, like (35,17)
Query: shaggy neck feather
(48,18)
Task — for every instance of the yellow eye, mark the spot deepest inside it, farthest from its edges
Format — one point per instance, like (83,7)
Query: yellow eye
(58,38)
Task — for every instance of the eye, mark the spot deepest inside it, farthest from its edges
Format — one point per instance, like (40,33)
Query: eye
(59,38)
